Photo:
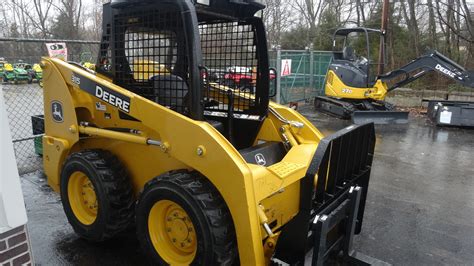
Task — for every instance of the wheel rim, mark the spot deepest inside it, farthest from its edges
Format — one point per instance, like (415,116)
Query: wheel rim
(172,233)
(82,198)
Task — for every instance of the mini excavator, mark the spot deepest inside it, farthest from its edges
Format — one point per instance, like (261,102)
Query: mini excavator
(353,91)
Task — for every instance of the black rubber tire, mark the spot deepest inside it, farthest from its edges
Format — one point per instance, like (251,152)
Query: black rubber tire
(211,218)
(113,191)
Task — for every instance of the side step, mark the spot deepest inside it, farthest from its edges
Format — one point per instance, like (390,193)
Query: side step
(379,117)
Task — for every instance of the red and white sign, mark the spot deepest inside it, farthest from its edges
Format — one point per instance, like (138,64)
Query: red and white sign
(285,67)
(57,50)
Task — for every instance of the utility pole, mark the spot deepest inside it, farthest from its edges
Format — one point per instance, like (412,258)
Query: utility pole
(383,28)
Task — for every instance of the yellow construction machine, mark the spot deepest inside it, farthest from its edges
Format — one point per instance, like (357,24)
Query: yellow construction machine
(352,88)
(210,174)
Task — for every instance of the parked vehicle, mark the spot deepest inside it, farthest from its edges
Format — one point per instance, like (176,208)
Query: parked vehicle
(86,61)
(216,74)
(88,65)
(238,76)
(7,73)
(19,73)
(243,78)
(2,67)
(35,73)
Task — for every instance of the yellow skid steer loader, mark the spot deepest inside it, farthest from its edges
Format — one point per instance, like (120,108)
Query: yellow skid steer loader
(210,174)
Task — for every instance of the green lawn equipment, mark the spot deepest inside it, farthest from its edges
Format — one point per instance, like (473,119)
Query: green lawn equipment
(20,73)
(35,73)
(2,67)
(8,73)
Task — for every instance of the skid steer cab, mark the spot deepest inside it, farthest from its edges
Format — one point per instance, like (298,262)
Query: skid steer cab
(209,172)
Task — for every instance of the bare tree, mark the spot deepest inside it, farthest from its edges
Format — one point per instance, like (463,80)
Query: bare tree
(311,11)
(411,20)
(278,18)
(432,25)
(37,12)
(69,17)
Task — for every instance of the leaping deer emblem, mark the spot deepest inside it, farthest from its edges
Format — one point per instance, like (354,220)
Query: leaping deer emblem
(260,159)
(57,114)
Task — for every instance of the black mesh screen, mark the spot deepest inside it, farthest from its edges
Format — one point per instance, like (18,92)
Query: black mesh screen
(105,54)
(150,56)
(151,60)
(229,53)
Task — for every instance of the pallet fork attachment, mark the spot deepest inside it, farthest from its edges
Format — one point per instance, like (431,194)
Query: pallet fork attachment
(331,211)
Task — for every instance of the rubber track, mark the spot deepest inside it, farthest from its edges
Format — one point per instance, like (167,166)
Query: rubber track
(349,107)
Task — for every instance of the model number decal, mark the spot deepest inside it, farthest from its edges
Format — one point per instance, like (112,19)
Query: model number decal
(346,90)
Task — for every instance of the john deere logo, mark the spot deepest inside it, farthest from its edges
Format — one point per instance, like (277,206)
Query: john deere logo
(57,111)
(260,159)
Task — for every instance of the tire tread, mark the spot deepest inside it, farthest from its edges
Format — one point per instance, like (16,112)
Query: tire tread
(116,184)
(215,210)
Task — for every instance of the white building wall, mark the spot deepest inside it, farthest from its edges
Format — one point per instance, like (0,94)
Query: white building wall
(12,206)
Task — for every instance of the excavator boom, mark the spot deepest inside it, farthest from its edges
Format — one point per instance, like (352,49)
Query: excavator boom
(431,61)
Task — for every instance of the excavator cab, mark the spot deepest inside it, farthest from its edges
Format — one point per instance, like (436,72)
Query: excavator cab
(352,60)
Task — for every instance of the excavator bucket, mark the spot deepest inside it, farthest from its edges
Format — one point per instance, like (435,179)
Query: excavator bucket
(379,117)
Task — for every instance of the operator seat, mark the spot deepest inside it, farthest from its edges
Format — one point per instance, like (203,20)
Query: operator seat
(172,91)
(348,53)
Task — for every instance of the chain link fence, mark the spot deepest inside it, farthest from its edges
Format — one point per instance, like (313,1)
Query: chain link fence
(23,96)
(29,50)
(22,102)
(306,78)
